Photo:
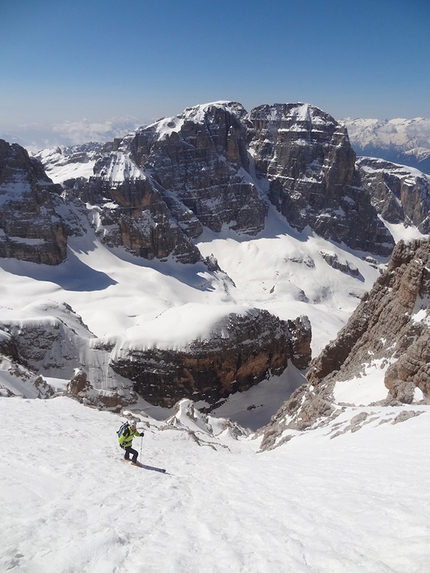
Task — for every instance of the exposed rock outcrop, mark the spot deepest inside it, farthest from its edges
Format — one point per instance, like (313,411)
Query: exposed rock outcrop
(307,158)
(30,228)
(391,323)
(49,340)
(133,214)
(389,329)
(80,388)
(399,194)
(242,351)
(201,157)
(217,166)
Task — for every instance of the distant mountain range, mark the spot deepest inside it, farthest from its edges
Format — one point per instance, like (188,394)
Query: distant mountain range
(404,141)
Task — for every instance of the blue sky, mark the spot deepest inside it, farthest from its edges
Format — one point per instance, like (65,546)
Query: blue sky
(64,61)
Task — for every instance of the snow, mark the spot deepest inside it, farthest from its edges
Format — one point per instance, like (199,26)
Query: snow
(358,502)
(405,133)
(127,302)
(350,495)
(168,125)
(280,270)
(363,390)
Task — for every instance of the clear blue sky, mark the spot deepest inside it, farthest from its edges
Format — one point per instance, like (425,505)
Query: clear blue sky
(99,59)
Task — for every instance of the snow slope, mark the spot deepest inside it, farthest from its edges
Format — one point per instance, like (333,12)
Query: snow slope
(131,302)
(358,502)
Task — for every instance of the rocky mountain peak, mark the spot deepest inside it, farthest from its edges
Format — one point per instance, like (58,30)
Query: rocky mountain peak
(400,194)
(310,165)
(218,166)
(30,228)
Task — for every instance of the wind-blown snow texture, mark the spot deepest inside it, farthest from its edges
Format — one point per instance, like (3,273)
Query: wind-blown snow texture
(359,502)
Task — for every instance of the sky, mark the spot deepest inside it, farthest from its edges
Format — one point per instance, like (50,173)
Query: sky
(139,60)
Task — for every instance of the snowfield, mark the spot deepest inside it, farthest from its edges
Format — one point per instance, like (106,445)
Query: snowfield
(350,496)
(358,502)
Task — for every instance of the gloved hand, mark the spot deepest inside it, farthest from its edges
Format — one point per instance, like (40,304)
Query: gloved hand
(142,434)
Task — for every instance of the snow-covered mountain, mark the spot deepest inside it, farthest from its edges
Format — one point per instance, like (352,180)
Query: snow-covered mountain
(404,141)
(155,274)
(70,162)
(212,238)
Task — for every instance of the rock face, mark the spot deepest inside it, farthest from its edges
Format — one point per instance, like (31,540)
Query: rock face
(134,215)
(399,194)
(310,165)
(391,323)
(201,157)
(390,329)
(243,351)
(218,166)
(30,229)
(50,340)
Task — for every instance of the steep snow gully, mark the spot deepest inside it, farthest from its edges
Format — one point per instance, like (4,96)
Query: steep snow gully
(356,503)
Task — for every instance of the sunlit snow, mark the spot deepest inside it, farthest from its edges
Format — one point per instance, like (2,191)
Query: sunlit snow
(68,503)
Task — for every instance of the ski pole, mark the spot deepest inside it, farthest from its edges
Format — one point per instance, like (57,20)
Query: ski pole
(141,446)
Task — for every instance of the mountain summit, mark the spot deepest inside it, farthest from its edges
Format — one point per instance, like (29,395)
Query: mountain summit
(206,254)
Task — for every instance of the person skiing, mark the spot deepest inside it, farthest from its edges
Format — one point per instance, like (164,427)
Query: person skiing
(125,441)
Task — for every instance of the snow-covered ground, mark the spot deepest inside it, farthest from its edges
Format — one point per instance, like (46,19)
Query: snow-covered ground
(344,497)
(356,503)
(133,302)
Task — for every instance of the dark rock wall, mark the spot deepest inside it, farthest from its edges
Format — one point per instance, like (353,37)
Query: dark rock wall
(250,349)
(307,157)
(30,229)
(391,323)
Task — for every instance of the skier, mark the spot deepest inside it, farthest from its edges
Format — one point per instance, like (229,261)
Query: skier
(125,441)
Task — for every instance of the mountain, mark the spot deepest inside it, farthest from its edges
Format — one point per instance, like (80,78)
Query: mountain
(403,141)
(334,479)
(207,253)
(380,357)
(31,228)
(216,165)
(66,162)
(400,194)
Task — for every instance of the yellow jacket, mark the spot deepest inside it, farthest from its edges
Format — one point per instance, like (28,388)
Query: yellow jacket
(126,439)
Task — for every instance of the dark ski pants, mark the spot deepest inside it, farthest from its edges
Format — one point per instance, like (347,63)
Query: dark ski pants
(130,452)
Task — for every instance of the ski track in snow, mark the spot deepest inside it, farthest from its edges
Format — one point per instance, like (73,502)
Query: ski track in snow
(357,503)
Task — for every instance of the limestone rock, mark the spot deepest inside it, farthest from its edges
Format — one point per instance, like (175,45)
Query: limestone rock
(385,325)
(30,229)
(201,158)
(390,327)
(50,340)
(310,165)
(242,351)
(80,388)
(399,194)
(78,383)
